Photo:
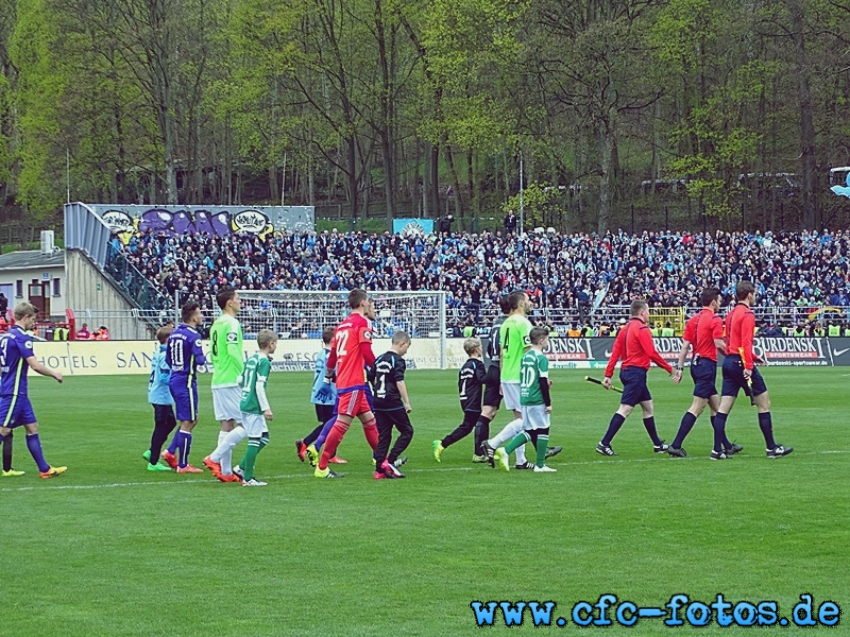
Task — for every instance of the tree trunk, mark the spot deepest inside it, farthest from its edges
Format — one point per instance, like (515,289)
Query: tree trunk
(605,140)
(435,180)
(455,180)
(811,211)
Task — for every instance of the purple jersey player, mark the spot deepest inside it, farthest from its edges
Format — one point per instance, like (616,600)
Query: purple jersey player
(184,356)
(16,358)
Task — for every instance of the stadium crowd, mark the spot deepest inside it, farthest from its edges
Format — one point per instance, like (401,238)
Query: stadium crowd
(558,270)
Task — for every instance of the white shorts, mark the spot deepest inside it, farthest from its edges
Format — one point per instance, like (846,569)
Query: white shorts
(535,417)
(254,424)
(226,403)
(510,392)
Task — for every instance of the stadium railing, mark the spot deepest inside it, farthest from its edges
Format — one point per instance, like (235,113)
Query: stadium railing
(300,322)
(86,231)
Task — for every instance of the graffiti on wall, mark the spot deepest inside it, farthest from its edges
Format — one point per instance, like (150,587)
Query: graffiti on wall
(220,222)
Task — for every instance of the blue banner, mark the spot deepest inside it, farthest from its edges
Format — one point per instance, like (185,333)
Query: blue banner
(413,226)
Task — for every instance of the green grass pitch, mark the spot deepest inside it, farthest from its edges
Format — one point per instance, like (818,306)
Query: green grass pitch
(110,549)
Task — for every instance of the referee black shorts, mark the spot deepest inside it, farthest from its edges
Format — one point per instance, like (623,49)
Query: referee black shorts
(733,378)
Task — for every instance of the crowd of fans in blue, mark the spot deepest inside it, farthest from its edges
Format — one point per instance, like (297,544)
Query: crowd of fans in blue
(558,270)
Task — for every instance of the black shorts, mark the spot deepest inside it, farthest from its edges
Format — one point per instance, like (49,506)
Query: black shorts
(704,375)
(635,390)
(398,418)
(734,381)
(324,413)
(492,396)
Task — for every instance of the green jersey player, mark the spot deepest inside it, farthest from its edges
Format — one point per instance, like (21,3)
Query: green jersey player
(226,357)
(536,403)
(255,405)
(514,340)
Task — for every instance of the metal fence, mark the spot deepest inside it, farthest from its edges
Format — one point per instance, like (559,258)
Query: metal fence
(300,315)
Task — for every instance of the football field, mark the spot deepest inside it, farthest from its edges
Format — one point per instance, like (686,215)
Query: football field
(109,549)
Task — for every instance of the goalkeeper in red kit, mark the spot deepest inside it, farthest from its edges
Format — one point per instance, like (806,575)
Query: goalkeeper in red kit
(351,353)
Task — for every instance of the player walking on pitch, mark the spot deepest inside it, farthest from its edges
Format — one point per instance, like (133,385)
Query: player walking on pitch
(351,354)
(471,378)
(226,357)
(739,372)
(703,333)
(16,358)
(254,406)
(536,404)
(159,396)
(492,386)
(514,340)
(392,406)
(184,356)
(634,344)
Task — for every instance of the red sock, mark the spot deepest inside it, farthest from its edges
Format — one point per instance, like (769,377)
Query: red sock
(371,432)
(335,436)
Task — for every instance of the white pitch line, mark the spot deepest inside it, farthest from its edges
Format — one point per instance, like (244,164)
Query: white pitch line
(118,485)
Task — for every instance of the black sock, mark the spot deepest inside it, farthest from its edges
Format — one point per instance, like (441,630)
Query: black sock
(719,424)
(7,452)
(649,425)
(617,421)
(766,425)
(313,435)
(482,433)
(688,422)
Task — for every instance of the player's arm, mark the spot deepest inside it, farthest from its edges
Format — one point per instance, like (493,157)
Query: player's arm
(645,336)
(748,325)
(366,347)
(683,355)
(400,368)
(198,353)
(717,335)
(615,356)
(330,365)
(164,371)
(44,370)
(233,348)
(543,380)
(481,374)
(260,388)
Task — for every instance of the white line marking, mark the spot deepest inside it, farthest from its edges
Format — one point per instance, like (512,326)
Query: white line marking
(210,480)
(118,485)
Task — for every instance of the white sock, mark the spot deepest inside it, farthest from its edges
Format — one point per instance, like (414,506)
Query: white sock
(507,434)
(520,454)
(215,456)
(223,454)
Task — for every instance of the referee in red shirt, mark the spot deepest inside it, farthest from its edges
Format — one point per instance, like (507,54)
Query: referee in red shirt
(739,372)
(634,344)
(703,333)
